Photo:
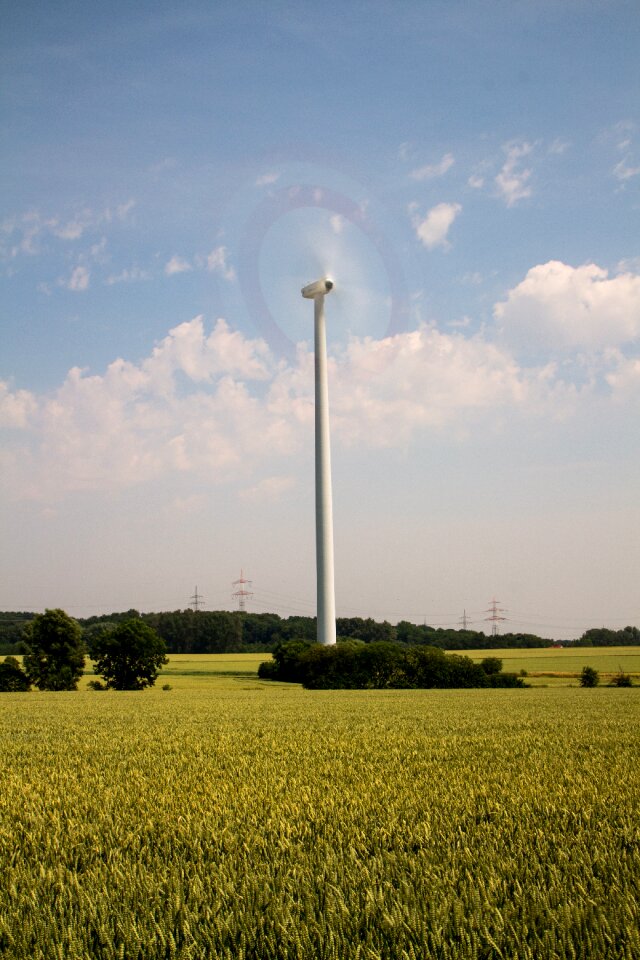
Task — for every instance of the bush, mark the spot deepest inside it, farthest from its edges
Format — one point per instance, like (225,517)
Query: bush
(589,677)
(380,665)
(621,679)
(13,679)
(96,685)
(268,670)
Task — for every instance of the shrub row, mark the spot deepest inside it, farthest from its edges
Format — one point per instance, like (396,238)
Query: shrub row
(379,666)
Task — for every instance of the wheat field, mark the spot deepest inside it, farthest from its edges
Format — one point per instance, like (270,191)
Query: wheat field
(226,818)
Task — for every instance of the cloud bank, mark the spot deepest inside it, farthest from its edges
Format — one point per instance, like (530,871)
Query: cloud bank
(220,406)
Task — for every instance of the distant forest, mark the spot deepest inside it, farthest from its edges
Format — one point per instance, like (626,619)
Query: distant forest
(221,631)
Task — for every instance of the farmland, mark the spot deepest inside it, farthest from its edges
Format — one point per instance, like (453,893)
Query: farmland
(232,818)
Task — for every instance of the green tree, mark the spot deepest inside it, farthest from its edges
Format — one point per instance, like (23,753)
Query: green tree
(55,651)
(589,677)
(130,656)
(491,665)
(13,679)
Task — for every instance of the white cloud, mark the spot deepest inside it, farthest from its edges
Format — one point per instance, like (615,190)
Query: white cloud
(16,408)
(30,233)
(267,179)
(217,406)
(433,229)
(385,390)
(624,171)
(624,379)
(628,265)
(79,280)
(432,170)
(130,275)
(564,307)
(622,136)
(70,231)
(475,181)
(138,422)
(177,265)
(124,209)
(217,263)
(512,181)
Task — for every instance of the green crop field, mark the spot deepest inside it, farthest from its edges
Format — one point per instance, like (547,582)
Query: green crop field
(546,667)
(562,666)
(229,818)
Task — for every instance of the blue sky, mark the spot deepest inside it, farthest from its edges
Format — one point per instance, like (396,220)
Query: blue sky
(468,172)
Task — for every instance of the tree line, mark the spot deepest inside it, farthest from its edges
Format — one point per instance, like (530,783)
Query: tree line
(127,655)
(222,631)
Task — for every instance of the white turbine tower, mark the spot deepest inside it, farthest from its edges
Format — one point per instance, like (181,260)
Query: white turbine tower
(326,609)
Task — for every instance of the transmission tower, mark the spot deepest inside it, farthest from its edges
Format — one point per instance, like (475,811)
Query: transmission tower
(241,593)
(495,615)
(464,620)
(197,600)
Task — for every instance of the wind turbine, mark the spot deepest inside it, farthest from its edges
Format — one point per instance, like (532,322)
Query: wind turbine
(326,600)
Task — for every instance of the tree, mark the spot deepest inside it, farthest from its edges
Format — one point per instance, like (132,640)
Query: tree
(589,677)
(13,679)
(491,665)
(55,651)
(130,656)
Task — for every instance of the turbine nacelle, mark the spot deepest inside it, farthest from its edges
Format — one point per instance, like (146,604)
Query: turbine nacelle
(317,289)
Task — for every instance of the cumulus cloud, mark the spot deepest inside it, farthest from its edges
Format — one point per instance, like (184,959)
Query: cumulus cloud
(624,379)
(217,263)
(216,406)
(79,279)
(387,389)
(139,421)
(432,230)
(512,181)
(177,265)
(16,407)
(563,307)
(432,170)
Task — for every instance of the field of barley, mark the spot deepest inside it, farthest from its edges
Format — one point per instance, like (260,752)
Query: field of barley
(228,818)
